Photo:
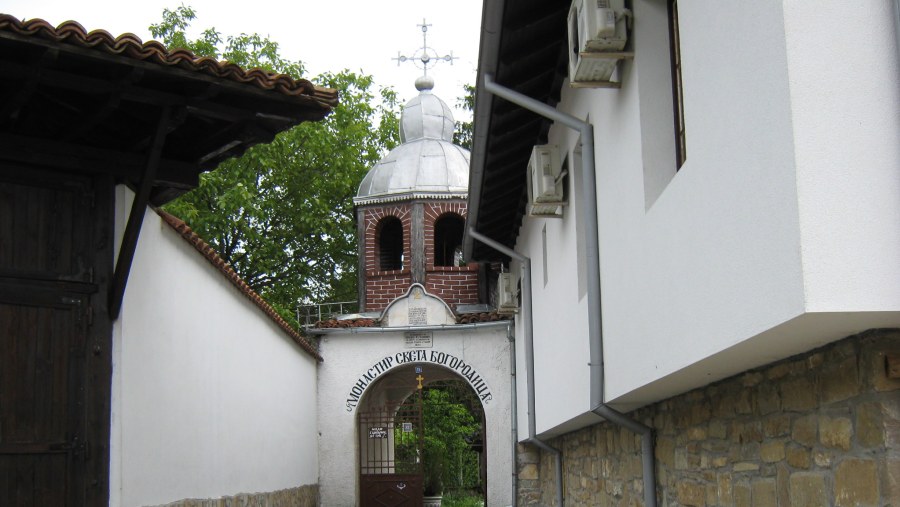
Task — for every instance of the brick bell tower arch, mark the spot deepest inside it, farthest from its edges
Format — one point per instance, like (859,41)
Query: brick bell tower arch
(411,211)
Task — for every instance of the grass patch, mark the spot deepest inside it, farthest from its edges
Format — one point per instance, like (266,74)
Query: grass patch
(462,499)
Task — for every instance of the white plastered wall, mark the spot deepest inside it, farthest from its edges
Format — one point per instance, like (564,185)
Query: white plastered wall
(777,235)
(210,397)
(349,355)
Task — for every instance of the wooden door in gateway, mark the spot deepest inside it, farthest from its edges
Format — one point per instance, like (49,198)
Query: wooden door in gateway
(54,358)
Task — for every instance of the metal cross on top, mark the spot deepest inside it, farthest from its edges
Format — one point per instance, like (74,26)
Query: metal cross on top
(420,378)
(425,57)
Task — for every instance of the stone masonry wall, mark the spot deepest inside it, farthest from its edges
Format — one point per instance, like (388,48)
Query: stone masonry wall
(818,429)
(303,496)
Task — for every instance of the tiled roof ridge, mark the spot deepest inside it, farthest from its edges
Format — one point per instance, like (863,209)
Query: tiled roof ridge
(335,323)
(219,263)
(130,45)
(468,318)
(472,318)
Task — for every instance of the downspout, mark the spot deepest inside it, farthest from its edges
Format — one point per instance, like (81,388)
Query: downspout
(897,24)
(592,254)
(513,411)
(529,352)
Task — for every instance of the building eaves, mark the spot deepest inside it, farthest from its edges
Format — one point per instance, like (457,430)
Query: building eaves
(223,267)
(523,45)
(131,46)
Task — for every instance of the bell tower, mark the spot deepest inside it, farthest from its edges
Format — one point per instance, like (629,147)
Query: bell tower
(411,211)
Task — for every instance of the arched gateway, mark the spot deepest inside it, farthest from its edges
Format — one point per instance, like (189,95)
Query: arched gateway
(414,291)
(418,425)
(373,414)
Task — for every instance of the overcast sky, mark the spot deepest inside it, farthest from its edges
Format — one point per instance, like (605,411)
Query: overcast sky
(325,35)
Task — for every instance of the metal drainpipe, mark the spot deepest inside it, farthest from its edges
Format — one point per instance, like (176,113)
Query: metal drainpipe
(897,23)
(529,352)
(513,411)
(592,253)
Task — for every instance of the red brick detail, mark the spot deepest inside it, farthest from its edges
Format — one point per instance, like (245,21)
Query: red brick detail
(454,287)
(433,212)
(373,217)
(382,287)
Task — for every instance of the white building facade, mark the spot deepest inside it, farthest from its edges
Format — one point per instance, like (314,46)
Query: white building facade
(771,231)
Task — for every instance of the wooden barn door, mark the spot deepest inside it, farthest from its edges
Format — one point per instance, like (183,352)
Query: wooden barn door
(54,356)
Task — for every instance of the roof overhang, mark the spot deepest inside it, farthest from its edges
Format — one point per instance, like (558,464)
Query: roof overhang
(523,45)
(407,196)
(88,102)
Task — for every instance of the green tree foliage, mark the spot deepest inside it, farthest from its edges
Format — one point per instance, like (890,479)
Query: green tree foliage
(282,214)
(450,429)
(462,135)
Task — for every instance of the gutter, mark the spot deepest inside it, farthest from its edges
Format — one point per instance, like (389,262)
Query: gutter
(525,267)
(592,253)
(513,412)
(491,30)
(437,327)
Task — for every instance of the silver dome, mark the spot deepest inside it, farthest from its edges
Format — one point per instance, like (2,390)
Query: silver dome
(426,164)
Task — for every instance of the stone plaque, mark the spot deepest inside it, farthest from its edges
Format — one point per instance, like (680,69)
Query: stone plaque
(419,340)
(418,316)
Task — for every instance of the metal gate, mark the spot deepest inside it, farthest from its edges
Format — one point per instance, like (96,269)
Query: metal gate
(391,440)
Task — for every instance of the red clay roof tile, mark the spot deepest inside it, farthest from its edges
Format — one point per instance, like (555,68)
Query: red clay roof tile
(130,45)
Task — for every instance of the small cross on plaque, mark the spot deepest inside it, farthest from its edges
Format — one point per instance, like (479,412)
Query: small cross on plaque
(420,378)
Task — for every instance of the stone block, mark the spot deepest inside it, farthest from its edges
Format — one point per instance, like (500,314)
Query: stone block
(697,433)
(681,459)
(665,451)
(762,493)
(815,360)
(743,404)
(717,429)
(691,494)
(783,485)
(798,395)
(869,425)
(725,490)
(808,490)
(777,425)
(892,480)
(529,472)
(806,430)
(840,380)
(823,459)
(750,451)
(722,405)
(856,483)
(772,452)
(798,457)
(742,494)
(700,412)
(835,432)
(778,371)
(767,398)
(875,358)
(745,466)
(751,379)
